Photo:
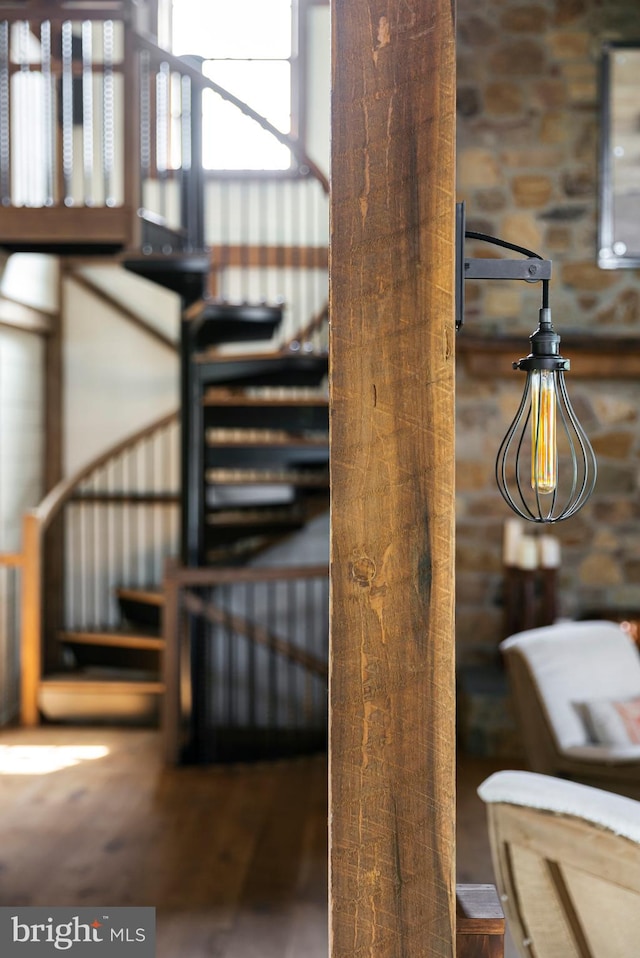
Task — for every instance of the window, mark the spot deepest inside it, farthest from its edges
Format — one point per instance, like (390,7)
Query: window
(247,47)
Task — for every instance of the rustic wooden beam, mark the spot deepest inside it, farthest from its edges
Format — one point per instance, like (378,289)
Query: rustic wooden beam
(53,546)
(392,740)
(269,257)
(592,357)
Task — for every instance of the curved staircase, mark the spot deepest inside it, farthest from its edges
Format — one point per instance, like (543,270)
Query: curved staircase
(167,575)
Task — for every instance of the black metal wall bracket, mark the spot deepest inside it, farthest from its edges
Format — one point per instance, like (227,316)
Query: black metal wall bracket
(531,270)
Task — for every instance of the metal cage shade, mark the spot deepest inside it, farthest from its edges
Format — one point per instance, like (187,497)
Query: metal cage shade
(573,461)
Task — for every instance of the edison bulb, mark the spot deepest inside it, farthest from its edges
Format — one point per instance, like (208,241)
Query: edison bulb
(544,454)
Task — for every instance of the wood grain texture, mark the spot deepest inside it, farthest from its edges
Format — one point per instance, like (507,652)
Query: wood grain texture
(392,412)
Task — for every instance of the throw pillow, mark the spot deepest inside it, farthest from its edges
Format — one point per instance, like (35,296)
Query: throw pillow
(611,722)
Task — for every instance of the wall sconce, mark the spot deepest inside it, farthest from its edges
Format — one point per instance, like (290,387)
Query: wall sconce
(545,468)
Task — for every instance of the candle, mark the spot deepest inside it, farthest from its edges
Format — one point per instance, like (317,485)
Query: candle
(527,553)
(512,536)
(549,552)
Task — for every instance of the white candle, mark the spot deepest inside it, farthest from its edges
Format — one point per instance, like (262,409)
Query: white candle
(549,548)
(512,536)
(527,553)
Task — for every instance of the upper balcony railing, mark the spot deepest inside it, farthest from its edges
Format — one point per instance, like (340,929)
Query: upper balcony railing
(98,123)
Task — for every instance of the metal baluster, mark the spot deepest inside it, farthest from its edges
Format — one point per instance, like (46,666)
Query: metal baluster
(134,539)
(87,111)
(48,107)
(272,699)
(226,602)
(292,633)
(67,112)
(189,211)
(108,111)
(299,275)
(251,653)
(5,117)
(307,632)
(245,239)
(110,545)
(13,657)
(162,133)
(145,115)
(165,531)
(83,566)
(95,542)
(22,129)
(225,239)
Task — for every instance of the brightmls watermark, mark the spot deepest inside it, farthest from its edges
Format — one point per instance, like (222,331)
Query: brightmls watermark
(78,932)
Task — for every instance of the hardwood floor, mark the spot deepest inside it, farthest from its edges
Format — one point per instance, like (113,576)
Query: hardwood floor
(234,858)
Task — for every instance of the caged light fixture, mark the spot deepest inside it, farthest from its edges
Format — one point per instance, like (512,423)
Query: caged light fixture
(545,468)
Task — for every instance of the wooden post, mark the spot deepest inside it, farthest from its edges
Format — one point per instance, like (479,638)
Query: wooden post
(480,922)
(31,615)
(53,548)
(392,737)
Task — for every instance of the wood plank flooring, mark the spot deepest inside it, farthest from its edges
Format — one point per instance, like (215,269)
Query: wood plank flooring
(234,858)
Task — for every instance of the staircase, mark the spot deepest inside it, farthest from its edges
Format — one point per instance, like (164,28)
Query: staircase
(231,646)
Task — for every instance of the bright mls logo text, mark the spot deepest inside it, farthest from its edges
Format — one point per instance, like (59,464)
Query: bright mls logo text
(65,935)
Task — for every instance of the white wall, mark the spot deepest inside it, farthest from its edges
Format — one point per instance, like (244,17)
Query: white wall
(116,378)
(319,87)
(21,430)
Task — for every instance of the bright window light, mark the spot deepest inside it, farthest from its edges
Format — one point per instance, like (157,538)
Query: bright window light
(44,759)
(246,47)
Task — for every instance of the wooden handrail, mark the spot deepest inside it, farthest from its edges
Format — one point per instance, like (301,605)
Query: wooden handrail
(186,576)
(46,511)
(256,633)
(35,523)
(62,11)
(11,559)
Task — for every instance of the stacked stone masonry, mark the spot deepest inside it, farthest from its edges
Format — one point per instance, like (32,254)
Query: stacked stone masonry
(528,132)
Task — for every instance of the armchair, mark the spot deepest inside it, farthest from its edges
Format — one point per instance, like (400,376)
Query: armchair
(576,696)
(567,864)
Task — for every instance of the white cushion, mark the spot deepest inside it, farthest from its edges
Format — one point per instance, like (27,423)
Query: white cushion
(615,812)
(575,662)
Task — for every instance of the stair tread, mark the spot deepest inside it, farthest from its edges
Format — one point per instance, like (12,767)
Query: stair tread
(148,596)
(121,639)
(243,312)
(253,521)
(264,437)
(101,683)
(222,397)
(289,477)
(288,358)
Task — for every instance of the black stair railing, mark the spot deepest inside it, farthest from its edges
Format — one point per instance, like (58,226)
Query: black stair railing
(260,686)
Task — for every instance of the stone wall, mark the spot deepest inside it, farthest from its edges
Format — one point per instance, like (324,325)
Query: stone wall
(527,170)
